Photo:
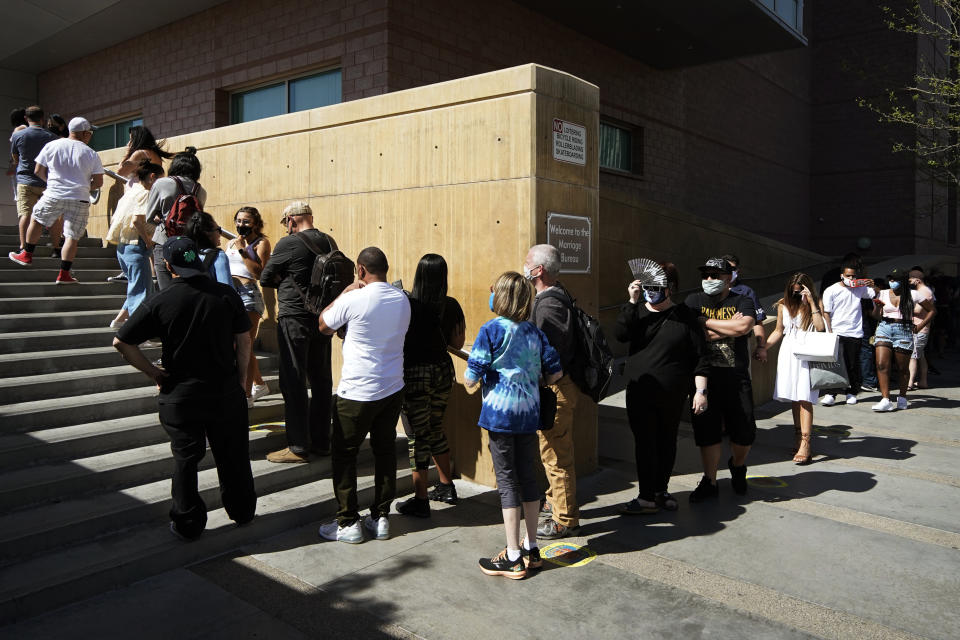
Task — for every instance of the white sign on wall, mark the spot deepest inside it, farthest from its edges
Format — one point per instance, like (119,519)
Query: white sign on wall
(572,236)
(569,142)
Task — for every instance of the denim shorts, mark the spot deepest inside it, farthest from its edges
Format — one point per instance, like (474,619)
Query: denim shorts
(895,335)
(251,296)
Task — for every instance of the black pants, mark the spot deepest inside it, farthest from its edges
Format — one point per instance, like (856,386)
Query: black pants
(222,422)
(305,357)
(654,415)
(851,360)
(352,421)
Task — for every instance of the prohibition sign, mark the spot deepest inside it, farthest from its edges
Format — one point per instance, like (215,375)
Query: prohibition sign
(567,554)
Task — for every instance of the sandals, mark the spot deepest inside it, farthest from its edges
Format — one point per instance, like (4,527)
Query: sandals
(800,459)
(796,438)
(666,501)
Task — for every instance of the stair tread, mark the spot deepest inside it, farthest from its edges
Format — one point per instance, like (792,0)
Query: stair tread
(117,549)
(78,351)
(49,333)
(40,517)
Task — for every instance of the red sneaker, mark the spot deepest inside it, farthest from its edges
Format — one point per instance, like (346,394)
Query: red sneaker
(24,258)
(66,277)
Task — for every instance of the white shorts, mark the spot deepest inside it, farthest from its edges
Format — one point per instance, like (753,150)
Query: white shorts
(74,214)
(919,344)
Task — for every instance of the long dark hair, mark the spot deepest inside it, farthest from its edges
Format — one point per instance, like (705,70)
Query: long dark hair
(794,304)
(147,169)
(56,124)
(430,281)
(185,164)
(142,138)
(198,226)
(906,298)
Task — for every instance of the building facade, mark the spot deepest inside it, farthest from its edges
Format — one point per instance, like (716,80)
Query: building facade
(745,116)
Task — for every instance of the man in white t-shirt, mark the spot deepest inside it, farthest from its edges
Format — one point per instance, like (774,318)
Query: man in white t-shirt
(71,170)
(841,303)
(375,316)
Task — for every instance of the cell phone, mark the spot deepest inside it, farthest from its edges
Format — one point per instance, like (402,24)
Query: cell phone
(861,282)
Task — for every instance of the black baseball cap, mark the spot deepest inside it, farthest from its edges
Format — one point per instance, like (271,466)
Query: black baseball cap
(184,257)
(716,264)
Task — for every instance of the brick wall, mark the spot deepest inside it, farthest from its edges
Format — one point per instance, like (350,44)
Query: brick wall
(729,141)
(178,76)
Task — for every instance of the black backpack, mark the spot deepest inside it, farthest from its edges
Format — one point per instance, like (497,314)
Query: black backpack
(592,366)
(332,273)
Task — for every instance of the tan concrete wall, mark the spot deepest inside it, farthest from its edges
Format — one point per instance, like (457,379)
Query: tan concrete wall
(460,168)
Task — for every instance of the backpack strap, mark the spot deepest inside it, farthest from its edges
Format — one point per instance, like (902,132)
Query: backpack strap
(180,189)
(314,249)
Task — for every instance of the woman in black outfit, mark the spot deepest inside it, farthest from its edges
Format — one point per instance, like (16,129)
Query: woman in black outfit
(667,356)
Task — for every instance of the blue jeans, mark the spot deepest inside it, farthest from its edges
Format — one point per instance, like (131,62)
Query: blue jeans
(868,365)
(135,263)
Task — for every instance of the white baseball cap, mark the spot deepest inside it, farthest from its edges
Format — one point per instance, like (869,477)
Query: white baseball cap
(80,124)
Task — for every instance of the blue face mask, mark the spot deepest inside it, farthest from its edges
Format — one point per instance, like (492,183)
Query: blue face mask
(491,301)
(894,285)
(712,287)
(655,296)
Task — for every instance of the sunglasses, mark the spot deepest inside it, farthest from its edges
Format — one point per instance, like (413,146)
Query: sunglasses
(285,219)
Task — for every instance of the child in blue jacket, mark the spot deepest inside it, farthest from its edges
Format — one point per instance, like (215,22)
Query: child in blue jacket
(509,357)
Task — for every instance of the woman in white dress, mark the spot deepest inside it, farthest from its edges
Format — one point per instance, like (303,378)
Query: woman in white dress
(800,309)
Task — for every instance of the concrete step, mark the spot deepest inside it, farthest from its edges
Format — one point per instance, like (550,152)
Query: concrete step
(46,582)
(11,241)
(27,533)
(94,250)
(45,289)
(49,274)
(58,481)
(80,263)
(22,417)
(11,322)
(51,340)
(19,450)
(32,363)
(71,383)
(64,304)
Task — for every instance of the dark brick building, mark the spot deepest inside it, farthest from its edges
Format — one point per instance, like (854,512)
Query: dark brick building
(744,114)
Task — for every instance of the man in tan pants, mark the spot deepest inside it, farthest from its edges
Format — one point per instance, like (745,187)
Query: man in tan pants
(552,313)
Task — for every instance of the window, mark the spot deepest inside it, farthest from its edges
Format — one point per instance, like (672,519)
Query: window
(113,134)
(621,148)
(287,96)
(790,11)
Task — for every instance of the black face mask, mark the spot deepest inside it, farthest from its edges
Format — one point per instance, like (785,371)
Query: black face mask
(244,230)
(798,294)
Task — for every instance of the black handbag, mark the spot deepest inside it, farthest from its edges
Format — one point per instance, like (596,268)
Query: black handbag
(548,408)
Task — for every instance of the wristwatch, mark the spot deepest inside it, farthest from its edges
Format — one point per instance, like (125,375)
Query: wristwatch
(702,392)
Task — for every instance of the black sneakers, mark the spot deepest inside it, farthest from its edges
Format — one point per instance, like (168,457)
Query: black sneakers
(531,559)
(443,493)
(414,506)
(500,565)
(738,477)
(706,490)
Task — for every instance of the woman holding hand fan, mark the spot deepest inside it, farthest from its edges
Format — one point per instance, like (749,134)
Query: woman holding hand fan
(668,360)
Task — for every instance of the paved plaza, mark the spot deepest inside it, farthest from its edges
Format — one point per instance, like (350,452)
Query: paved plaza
(863,543)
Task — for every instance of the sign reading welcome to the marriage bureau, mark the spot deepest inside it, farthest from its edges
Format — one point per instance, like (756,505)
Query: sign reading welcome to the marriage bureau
(571,235)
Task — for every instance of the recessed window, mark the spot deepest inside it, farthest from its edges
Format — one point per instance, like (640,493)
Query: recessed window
(286,96)
(113,134)
(621,148)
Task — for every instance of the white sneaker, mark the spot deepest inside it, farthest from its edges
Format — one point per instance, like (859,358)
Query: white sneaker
(379,528)
(259,390)
(352,534)
(884,405)
(851,399)
(827,400)
(902,403)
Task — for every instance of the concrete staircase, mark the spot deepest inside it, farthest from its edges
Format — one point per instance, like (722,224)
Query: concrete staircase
(84,463)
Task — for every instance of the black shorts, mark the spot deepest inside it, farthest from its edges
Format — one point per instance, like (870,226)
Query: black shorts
(729,405)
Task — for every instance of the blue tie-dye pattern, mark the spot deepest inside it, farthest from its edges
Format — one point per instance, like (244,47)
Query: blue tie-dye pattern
(508,358)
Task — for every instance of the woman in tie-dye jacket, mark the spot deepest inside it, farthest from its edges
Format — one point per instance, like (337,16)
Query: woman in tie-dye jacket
(509,358)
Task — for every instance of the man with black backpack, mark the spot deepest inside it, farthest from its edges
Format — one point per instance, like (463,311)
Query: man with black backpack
(304,351)
(553,314)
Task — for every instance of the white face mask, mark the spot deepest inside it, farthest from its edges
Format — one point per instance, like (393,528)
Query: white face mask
(712,287)
(528,273)
(847,281)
